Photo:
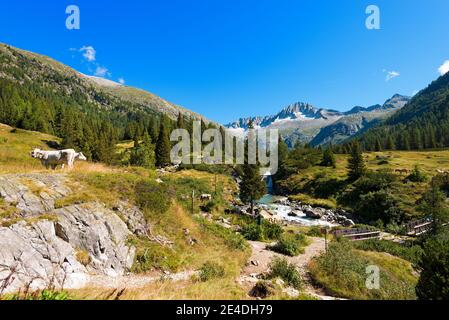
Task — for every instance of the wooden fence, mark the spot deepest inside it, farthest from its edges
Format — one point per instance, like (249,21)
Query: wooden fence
(419,227)
(357,234)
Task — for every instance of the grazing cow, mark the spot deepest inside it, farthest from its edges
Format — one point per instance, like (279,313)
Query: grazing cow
(206,196)
(401,171)
(51,159)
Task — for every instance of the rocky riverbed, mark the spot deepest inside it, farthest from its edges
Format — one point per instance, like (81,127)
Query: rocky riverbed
(282,209)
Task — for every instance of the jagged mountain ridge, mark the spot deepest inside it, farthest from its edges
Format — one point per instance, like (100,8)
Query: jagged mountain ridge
(305,123)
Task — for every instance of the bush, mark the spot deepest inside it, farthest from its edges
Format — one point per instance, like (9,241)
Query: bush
(314,231)
(271,231)
(417,175)
(379,205)
(266,231)
(209,206)
(233,240)
(39,295)
(290,245)
(262,289)
(253,232)
(211,270)
(280,268)
(152,196)
(343,272)
(433,283)
(410,253)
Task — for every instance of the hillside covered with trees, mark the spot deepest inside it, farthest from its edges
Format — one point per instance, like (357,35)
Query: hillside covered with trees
(422,124)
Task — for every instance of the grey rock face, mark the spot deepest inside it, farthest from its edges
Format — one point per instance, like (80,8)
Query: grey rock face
(18,190)
(34,256)
(98,231)
(45,253)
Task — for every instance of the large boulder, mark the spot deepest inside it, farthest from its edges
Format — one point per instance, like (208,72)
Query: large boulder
(314,213)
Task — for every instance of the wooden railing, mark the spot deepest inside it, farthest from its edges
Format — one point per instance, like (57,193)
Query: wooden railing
(357,234)
(419,227)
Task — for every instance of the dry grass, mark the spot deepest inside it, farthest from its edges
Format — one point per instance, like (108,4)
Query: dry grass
(15,148)
(222,289)
(83,257)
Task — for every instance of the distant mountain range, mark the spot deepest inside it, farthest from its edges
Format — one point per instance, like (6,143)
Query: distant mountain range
(307,124)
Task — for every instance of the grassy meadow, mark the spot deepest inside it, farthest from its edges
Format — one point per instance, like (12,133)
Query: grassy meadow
(167,209)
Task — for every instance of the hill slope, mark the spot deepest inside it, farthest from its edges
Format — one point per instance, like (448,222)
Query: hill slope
(422,123)
(20,66)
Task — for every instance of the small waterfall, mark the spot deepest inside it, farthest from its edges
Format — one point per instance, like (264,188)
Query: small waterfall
(269,182)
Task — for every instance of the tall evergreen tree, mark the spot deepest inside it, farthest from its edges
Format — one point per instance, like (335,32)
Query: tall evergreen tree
(356,163)
(390,143)
(163,146)
(328,158)
(405,143)
(180,122)
(143,153)
(433,204)
(433,282)
(252,186)
(378,146)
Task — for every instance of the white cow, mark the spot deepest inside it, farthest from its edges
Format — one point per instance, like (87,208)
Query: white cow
(51,159)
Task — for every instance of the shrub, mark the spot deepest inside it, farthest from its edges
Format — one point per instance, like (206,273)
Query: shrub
(379,205)
(152,196)
(209,206)
(433,283)
(211,270)
(343,272)
(39,295)
(252,232)
(290,245)
(271,231)
(314,231)
(417,175)
(280,268)
(262,289)
(233,240)
(411,253)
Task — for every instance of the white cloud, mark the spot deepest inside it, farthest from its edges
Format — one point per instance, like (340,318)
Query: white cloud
(444,68)
(101,71)
(89,53)
(391,75)
(121,80)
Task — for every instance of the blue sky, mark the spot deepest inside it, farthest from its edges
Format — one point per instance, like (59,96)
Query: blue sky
(227,58)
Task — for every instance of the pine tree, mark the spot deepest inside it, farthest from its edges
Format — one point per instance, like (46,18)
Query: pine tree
(328,158)
(252,186)
(163,146)
(378,146)
(390,143)
(434,265)
(143,153)
(356,163)
(405,143)
(180,122)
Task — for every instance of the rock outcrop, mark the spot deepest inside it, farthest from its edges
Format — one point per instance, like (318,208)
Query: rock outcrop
(43,246)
